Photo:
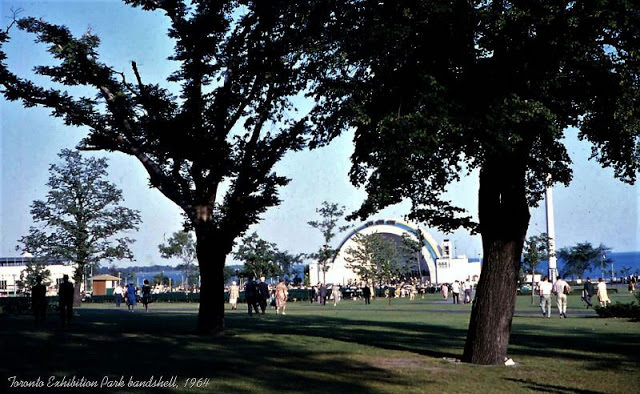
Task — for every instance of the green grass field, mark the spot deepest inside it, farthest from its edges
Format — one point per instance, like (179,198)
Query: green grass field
(405,347)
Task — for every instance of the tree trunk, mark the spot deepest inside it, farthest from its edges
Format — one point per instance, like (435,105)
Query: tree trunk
(211,258)
(78,277)
(77,295)
(533,282)
(504,218)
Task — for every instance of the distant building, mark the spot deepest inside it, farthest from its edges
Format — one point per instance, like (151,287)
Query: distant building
(104,284)
(12,267)
(434,263)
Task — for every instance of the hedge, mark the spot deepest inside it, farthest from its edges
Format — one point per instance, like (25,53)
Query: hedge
(20,305)
(626,310)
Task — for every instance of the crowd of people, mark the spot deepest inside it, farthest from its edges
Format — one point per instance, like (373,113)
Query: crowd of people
(259,294)
(458,288)
(560,289)
(130,295)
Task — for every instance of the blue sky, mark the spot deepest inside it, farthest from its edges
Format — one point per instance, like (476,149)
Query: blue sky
(595,207)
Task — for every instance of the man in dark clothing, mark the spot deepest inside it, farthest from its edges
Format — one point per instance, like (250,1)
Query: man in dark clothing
(366,294)
(65,294)
(39,301)
(322,293)
(263,294)
(587,292)
(251,295)
(312,294)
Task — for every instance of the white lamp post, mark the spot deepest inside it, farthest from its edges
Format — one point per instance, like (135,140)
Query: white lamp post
(551,233)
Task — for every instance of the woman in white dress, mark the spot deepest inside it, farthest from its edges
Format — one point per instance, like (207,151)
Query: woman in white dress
(603,297)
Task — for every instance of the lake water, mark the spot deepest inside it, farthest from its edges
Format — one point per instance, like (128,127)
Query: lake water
(175,276)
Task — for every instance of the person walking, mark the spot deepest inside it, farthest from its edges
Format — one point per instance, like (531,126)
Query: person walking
(39,301)
(146,295)
(587,292)
(65,295)
(131,297)
(561,288)
(117,293)
(322,294)
(444,289)
(466,286)
(603,297)
(545,288)
(366,294)
(234,294)
(312,294)
(251,295)
(337,294)
(281,297)
(263,294)
(455,292)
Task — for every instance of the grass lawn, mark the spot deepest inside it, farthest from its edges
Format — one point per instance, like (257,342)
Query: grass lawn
(405,347)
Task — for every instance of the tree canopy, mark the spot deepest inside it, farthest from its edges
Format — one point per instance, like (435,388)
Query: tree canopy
(328,224)
(583,257)
(374,258)
(181,245)
(81,220)
(438,89)
(536,250)
(410,253)
(34,269)
(287,261)
(210,149)
(258,256)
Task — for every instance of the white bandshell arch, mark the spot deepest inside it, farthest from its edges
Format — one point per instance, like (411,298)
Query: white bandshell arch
(338,271)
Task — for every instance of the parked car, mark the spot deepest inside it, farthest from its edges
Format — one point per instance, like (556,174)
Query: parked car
(524,289)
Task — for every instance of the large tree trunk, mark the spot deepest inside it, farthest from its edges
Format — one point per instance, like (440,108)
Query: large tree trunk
(211,258)
(504,218)
(78,277)
(77,295)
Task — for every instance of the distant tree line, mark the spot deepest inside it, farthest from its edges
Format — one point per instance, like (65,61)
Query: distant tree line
(576,260)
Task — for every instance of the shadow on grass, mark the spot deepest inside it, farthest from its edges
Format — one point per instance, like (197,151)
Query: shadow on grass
(424,339)
(580,344)
(548,388)
(293,353)
(114,343)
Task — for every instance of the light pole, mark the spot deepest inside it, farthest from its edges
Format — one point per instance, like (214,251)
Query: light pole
(612,274)
(551,233)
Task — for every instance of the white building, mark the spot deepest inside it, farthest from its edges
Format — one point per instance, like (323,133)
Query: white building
(12,267)
(436,262)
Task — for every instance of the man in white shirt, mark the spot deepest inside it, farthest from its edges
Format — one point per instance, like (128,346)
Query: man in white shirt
(466,287)
(455,292)
(544,288)
(561,288)
(117,292)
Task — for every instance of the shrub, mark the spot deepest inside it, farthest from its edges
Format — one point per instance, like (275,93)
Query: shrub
(619,309)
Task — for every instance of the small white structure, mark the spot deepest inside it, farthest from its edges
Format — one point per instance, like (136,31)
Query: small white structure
(452,268)
(12,267)
(104,284)
(435,263)
(536,278)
